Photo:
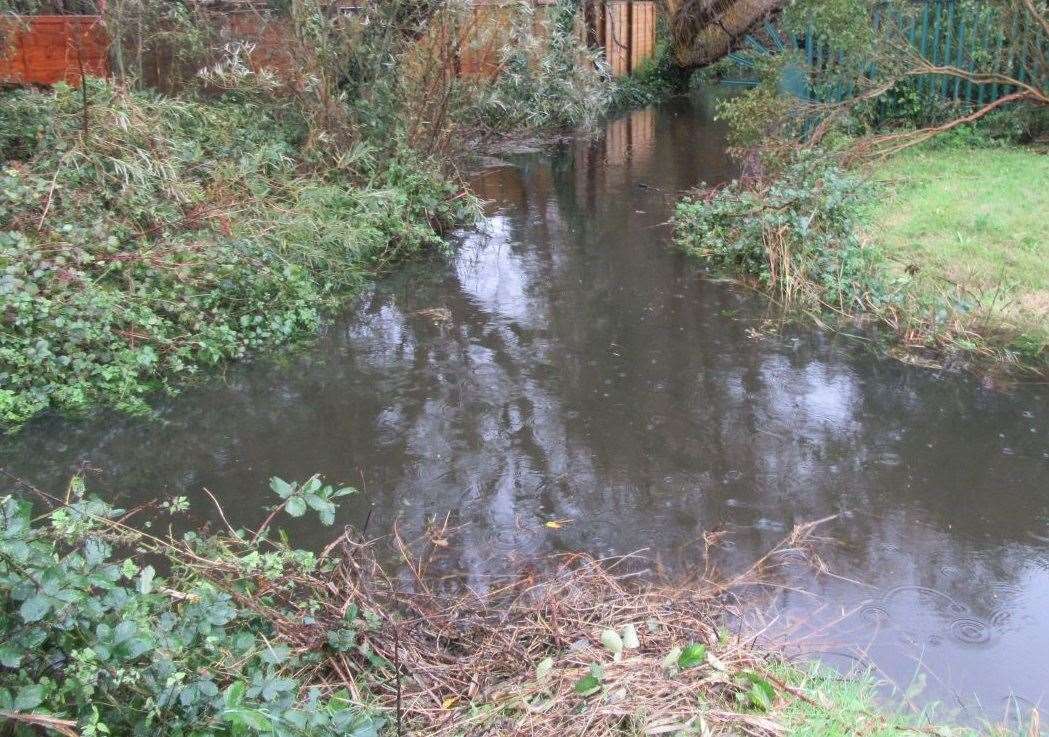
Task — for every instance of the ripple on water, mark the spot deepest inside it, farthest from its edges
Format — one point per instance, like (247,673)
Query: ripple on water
(969,630)
(946,601)
(1001,619)
(874,611)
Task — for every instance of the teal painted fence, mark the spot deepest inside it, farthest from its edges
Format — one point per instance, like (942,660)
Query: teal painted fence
(944,32)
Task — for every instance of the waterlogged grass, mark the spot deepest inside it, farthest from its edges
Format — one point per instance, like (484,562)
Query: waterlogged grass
(976,218)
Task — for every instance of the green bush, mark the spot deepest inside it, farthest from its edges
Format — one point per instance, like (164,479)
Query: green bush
(654,79)
(94,639)
(796,234)
(545,79)
(175,234)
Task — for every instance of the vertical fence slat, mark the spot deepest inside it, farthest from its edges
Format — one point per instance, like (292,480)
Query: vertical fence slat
(959,57)
(948,36)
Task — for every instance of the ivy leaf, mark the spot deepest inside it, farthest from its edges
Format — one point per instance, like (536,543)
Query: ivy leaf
(692,656)
(34,608)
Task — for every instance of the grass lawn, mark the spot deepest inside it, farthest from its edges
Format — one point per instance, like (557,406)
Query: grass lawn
(977,218)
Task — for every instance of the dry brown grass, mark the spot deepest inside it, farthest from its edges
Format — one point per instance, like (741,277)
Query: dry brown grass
(466,663)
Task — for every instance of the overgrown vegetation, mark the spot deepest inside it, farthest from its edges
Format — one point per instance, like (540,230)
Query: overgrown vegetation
(545,76)
(872,82)
(172,234)
(146,234)
(107,629)
(796,234)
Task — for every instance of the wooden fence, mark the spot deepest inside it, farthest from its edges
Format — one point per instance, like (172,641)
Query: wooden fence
(625,29)
(47,49)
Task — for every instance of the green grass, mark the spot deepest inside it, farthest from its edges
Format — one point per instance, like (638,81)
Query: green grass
(978,218)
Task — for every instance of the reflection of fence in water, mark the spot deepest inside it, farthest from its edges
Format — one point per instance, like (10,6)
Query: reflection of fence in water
(627,149)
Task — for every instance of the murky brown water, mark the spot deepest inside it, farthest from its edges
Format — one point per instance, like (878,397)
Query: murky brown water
(586,373)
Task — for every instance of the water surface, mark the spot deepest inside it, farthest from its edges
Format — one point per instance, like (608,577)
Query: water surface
(567,366)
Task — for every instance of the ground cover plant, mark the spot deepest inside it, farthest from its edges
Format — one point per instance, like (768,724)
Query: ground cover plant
(110,629)
(174,233)
(145,235)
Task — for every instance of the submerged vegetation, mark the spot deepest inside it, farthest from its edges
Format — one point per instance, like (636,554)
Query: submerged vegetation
(109,629)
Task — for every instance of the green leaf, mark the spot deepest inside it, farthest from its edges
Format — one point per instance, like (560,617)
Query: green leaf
(145,580)
(29,697)
(587,685)
(281,487)
(34,608)
(692,656)
(761,694)
(542,671)
(10,656)
(251,718)
(276,654)
(364,726)
(296,506)
(234,695)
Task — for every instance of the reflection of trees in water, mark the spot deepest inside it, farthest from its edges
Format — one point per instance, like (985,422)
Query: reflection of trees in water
(587,375)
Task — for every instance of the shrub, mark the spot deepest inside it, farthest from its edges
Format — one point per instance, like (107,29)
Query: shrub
(796,234)
(548,78)
(96,641)
(176,234)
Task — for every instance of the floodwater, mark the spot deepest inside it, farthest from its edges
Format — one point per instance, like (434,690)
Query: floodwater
(567,366)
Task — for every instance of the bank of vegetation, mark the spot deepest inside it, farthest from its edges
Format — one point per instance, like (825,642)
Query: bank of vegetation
(108,629)
(151,226)
(890,195)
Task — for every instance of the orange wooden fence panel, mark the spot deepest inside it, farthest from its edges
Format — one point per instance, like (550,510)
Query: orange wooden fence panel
(617,36)
(44,49)
(642,32)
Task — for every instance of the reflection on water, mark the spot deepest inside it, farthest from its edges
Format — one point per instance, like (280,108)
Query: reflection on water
(566,365)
